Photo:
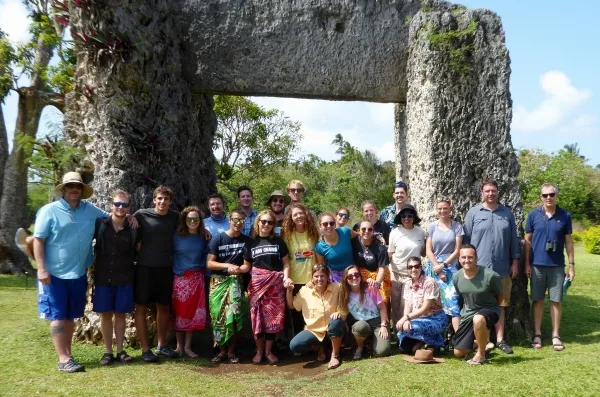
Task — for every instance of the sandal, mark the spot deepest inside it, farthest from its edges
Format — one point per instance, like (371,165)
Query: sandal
(107,359)
(123,357)
(558,347)
(534,344)
(234,359)
(477,362)
(334,366)
(272,361)
(258,360)
(218,358)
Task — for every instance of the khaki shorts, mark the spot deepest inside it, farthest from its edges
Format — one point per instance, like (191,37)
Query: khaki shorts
(506,291)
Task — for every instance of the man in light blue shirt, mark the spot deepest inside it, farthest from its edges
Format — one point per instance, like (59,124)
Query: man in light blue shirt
(245,200)
(62,247)
(491,228)
(217,222)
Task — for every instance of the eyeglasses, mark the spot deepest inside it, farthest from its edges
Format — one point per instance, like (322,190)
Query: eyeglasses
(342,215)
(401,184)
(266,222)
(325,224)
(193,219)
(294,190)
(74,186)
(366,229)
(353,276)
(235,221)
(411,267)
(118,204)
(546,195)
(407,216)
(278,200)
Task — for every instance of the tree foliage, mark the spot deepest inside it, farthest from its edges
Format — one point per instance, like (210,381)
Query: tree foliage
(251,141)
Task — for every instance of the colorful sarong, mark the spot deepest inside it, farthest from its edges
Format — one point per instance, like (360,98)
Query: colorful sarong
(336,276)
(448,294)
(428,329)
(267,301)
(189,301)
(386,285)
(225,303)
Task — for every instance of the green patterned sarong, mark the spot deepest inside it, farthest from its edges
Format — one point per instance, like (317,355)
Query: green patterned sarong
(225,304)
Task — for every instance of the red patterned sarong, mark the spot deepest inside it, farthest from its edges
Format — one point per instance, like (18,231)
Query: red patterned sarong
(189,301)
(267,301)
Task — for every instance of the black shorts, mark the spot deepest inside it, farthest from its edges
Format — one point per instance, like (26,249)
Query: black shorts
(465,335)
(153,285)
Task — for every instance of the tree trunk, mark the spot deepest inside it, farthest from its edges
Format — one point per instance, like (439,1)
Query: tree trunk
(135,113)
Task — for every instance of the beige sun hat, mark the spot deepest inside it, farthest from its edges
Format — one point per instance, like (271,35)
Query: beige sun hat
(75,177)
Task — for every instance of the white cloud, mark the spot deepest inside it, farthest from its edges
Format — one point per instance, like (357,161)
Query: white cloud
(14,20)
(581,126)
(562,101)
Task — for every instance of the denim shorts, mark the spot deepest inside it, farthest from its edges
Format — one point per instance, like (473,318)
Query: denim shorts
(62,299)
(113,298)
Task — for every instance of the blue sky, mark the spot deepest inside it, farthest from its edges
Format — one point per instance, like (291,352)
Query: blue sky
(555,56)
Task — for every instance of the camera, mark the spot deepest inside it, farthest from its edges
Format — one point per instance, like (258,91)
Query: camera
(551,246)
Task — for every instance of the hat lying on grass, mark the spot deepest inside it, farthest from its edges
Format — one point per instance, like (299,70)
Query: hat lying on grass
(423,356)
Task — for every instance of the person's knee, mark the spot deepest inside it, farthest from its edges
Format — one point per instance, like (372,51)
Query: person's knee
(479,321)
(460,352)
(361,329)
(336,328)
(299,344)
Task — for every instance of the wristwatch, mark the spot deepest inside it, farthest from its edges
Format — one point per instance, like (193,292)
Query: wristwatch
(445,264)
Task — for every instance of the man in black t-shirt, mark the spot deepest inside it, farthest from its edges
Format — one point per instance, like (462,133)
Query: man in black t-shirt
(225,258)
(154,273)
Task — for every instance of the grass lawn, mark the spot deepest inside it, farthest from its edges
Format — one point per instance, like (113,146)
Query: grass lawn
(28,364)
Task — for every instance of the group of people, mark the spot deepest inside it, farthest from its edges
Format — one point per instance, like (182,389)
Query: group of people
(312,281)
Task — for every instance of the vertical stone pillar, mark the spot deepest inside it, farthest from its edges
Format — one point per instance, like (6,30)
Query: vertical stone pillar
(400,142)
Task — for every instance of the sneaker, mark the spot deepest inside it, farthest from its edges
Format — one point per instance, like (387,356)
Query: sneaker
(149,357)
(505,347)
(70,367)
(166,352)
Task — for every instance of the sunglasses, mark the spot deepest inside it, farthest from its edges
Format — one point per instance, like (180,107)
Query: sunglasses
(410,267)
(353,276)
(366,229)
(408,216)
(401,184)
(294,190)
(73,186)
(546,195)
(192,219)
(278,200)
(325,224)
(342,215)
(266,222)
(118,204)
(235,221)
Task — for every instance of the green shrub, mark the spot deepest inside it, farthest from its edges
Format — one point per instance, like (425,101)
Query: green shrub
(576,236)
(591,240)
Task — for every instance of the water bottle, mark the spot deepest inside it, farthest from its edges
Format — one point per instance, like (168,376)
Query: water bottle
(566,285)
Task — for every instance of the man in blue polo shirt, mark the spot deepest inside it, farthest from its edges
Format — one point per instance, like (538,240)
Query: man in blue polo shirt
(547,233)
(217,222)
(62,248)
(491,228)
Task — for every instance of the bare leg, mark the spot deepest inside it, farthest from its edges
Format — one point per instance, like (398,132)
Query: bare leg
(360,342)
(500,326)
(106,325)
(57,332)
(260,349)
(69,328)
(162,323)
(180,335)
(120,331)
(188,345)
(555,315)
(481,336)
(455,323)
(140,326)
(269,350)
(336,343)
(231,347)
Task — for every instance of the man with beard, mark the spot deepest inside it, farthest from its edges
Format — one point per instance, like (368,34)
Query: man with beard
(217,222)
(245,200)
(276,203)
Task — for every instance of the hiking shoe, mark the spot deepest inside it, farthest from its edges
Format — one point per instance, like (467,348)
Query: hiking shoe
(166,352)
(505,347)
(70,367)
(149,357)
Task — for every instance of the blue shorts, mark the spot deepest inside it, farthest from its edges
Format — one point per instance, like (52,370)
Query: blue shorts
(113,298)
(62,299)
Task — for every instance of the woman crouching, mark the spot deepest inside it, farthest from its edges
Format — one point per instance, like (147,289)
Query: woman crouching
(369,316)
(319,306)
(424,319)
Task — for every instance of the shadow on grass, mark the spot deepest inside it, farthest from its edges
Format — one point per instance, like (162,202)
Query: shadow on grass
(512,359)
(579,321)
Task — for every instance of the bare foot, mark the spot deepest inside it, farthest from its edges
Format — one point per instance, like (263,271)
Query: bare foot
(190,353)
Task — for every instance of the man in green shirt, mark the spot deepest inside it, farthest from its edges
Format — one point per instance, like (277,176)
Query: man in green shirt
(480,291)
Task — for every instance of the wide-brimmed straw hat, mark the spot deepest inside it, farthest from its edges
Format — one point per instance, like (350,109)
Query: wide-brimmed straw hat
(407,207)
(423,356)
(75,177)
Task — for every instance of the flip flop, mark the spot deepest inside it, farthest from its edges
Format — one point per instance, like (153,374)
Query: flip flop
(273,360)
(558,347)
(217,359)
(334,366)
(234,359)
(538,345)
(477,362)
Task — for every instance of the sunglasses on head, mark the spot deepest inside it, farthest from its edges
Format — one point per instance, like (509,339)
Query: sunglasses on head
(401,184)
(298,190)
(74,186)
(546,195)
(342,215)
(118,204)
(408,216)
(353,276)
(266,222)
(237,220)
(192,219)
(366,229)
(325,224)
(410,267)
(278,200)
